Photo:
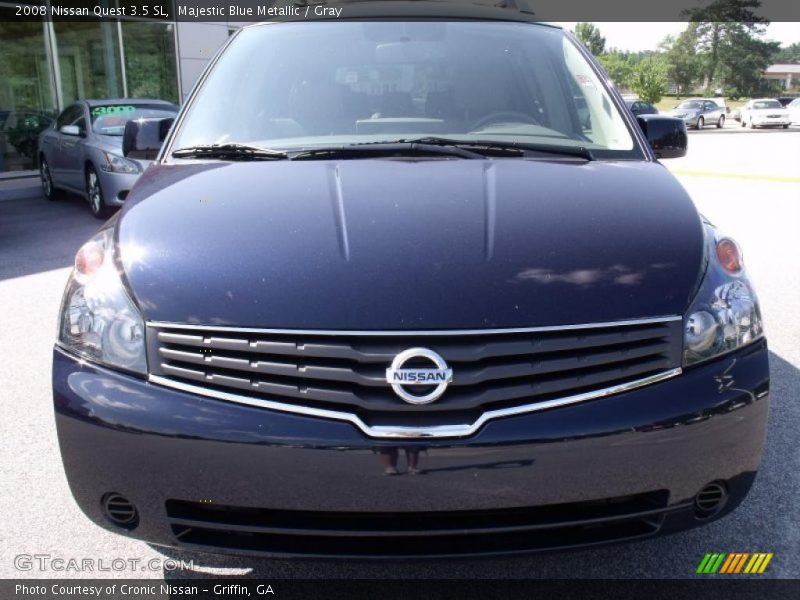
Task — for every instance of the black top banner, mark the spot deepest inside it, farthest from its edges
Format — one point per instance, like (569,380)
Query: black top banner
(246,11)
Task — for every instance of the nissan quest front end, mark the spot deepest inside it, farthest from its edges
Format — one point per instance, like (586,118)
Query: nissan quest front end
(401,297)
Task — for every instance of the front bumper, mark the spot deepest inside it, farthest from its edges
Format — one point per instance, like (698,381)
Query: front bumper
(116,186)
(690,121)
(763,122)
(224,477)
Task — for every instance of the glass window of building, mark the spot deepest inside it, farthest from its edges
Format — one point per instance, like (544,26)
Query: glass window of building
(89,63)
(45,66)
(27,102)
(150,65)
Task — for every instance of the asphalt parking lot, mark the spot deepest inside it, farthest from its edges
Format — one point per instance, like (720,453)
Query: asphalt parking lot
(746,182)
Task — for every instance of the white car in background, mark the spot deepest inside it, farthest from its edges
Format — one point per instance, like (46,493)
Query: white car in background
(765,112)
(794,111)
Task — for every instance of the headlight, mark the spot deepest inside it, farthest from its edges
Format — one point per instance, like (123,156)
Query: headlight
(118,164)
(725,314)
(98,320)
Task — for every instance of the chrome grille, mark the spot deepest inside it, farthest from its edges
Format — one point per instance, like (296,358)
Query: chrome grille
(346,370)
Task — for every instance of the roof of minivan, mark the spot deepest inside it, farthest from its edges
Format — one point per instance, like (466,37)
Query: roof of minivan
(503,10)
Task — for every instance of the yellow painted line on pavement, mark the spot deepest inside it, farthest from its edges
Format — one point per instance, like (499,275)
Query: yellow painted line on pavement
(752,176)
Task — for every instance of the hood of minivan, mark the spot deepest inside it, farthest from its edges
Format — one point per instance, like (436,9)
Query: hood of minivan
(393,244)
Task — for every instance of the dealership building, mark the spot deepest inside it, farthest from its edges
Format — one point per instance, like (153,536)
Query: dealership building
(46,65)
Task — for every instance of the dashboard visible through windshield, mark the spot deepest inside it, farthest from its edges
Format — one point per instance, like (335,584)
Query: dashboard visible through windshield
(372,82)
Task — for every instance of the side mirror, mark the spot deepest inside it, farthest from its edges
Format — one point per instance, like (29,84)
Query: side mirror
(666,135)
(72,130)
(143,138)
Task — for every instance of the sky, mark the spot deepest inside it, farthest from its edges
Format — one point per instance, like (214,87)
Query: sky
(637,37)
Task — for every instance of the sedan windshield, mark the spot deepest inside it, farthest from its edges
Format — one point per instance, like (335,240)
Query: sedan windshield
(111,119)
(370,82)
(690,104)
(767,104)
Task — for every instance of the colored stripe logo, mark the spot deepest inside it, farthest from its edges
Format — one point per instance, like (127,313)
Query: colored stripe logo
(734,563)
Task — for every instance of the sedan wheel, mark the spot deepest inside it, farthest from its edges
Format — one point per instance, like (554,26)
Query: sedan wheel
(721,122)
(700,122)
(95,194)
(48,189)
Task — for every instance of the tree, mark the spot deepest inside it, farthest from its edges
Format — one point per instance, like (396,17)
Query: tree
(789,54)
(720,26)
(618,67)
(591,37)
(745,61)
(682,60)
(649,79)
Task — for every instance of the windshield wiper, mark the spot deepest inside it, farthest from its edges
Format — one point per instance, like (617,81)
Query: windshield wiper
(371,149)
(229,151)
(478,147)
(492,148)
(423,146)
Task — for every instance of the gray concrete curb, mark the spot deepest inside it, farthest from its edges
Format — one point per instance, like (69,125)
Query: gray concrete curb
(22,188)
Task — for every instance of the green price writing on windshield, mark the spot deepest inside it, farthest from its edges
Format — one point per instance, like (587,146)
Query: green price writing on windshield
(120,109)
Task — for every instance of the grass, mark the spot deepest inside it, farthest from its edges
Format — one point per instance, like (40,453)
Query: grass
(669,102)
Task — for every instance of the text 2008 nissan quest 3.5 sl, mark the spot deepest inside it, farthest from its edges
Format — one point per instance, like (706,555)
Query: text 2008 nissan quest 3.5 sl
(408,288)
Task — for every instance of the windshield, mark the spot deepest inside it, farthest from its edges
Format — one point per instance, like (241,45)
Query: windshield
(693,104)
(767,104)
(387,81)
(111,119)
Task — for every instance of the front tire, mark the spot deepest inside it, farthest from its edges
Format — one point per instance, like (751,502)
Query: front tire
(721,122)
(700,123)
(48,189)
(95,195)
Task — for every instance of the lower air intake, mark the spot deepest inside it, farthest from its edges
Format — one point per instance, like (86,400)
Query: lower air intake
(417,534)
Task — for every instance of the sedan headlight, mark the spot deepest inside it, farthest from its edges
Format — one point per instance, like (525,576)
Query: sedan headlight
(118,164)
(98,320)
(725,314)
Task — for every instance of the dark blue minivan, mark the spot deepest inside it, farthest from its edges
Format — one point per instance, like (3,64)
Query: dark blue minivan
(400,287)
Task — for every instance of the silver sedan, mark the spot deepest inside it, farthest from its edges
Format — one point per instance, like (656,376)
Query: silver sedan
(699,112)
(81,151)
